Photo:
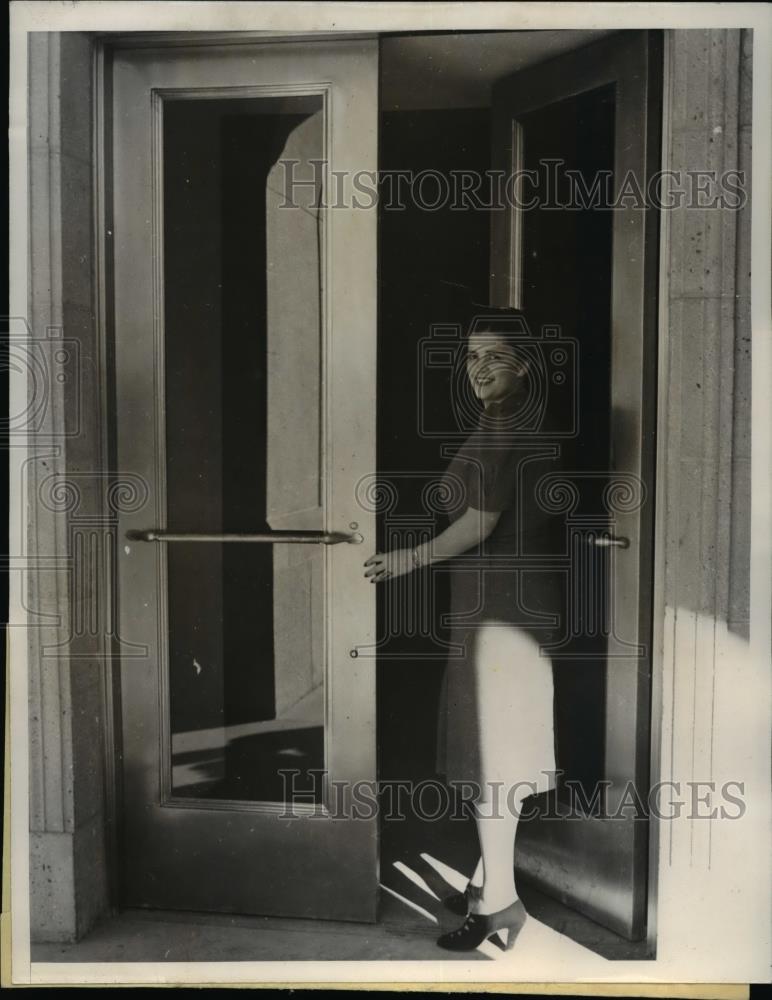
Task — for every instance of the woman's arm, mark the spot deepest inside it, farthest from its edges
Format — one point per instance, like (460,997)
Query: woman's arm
(464,533)
(467,531)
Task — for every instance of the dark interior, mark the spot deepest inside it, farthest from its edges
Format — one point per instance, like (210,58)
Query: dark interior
(217,155)
(434,271)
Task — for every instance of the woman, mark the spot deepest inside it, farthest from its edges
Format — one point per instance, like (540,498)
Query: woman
(499,731)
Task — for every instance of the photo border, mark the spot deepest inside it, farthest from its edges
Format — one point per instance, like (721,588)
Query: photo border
(369,18)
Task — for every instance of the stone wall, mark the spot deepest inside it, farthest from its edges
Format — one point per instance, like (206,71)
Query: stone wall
(708,301)
(709,727)
(65,503)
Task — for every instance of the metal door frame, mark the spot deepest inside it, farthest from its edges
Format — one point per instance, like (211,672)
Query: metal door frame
(608,62)
(103,44)
(105,295)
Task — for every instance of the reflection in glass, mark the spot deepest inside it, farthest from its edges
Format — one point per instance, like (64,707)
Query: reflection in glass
(242,287)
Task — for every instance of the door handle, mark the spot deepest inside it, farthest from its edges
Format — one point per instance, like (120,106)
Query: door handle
(609,541)
(264,538)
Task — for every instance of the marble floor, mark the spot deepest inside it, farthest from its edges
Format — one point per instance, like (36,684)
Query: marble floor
(401,933)
(419,865)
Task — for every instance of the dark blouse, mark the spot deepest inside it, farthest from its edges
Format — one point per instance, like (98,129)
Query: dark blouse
(496,469)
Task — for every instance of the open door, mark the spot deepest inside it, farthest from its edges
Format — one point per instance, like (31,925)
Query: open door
(248,722)
(584,128)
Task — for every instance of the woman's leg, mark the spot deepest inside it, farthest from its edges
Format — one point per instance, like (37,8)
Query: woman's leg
(496,830)
(501,654)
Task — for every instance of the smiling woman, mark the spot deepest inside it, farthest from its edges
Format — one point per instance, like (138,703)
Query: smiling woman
(494,365)
(498,705)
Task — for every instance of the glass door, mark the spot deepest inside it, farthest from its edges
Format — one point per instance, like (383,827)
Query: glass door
(582,128)
(245,344)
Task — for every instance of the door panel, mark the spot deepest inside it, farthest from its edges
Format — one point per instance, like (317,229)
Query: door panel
(237,294)
(592,273)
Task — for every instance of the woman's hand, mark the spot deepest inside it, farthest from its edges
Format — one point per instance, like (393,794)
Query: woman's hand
(386,565)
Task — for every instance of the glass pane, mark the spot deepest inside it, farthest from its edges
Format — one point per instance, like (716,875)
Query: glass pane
(242,286)
(572,251)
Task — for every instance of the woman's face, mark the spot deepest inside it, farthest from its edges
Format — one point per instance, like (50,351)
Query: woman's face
(493,367)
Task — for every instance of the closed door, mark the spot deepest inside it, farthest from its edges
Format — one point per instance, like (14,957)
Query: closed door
(244,353)
(583,130)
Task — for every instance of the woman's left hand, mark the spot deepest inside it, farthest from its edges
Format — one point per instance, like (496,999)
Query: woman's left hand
(386,565)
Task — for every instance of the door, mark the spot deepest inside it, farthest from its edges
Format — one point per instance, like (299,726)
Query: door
(584,130)
(244,353)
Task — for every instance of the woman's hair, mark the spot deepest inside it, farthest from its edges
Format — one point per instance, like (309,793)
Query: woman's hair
(507,325)
(510,325)
(522,336)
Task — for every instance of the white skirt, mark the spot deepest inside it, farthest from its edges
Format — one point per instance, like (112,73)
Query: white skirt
(497,718)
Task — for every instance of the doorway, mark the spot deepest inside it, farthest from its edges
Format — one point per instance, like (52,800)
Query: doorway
(253,655)
(566,123)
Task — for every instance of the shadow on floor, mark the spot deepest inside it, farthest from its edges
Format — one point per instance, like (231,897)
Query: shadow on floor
(417,856)
(158,936)
(421,863)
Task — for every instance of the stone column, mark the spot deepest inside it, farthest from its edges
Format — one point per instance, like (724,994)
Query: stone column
(711,726)
(65,504)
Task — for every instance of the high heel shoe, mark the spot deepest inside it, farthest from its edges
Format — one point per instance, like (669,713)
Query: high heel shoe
(481,926)
(460,902)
